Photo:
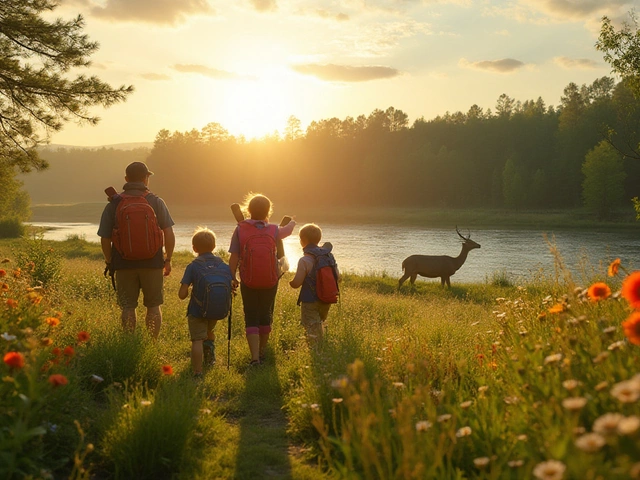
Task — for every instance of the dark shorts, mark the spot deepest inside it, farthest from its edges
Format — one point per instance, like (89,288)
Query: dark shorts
(258,305)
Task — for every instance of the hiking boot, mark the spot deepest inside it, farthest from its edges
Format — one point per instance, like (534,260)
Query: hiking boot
(209,349)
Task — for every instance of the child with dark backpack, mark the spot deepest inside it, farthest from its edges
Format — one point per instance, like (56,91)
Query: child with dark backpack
(318,275)
(253,252)
(211,289)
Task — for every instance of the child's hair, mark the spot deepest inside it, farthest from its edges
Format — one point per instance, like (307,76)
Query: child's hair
(258,206)
(203,240)
(311,233)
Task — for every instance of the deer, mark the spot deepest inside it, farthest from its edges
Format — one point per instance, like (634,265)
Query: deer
(433,266)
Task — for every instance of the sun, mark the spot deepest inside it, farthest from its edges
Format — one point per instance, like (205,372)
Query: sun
(255,108)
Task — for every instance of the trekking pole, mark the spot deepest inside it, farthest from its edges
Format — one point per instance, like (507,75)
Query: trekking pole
(229,336)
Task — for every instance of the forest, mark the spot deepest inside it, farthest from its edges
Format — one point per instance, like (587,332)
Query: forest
(520,155)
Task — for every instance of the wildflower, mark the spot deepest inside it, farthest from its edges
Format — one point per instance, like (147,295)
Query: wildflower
(627,391)
(423,425)
(599,291)
(206,411)
(14,359)
(34,298)
(145,403)
(616,345)
(3,272)
(340,382)
(601,386)
(574,403)
(483,389)
(4,287)
(57,380)
(629,425)
(579,431)
(590,442)
(556,357)
(601,357)
(83,336)
(523,437)
(511,400)
(558,308)
(7,337)
(337,400)
(609,330)
(11,303)
(612,271)
(515,463)
(46,341)
(463,432)
(631,328)
(17,272)
(68,351)
(465,405)
(443,418)
(96,379)
(398,384)
(52,321)
(56,351)
(607,424)
(481,462)
(631,289)
(314,406)
(549,470)
(571,384)
(167,370)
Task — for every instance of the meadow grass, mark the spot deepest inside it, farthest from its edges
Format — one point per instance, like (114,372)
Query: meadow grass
(488,380)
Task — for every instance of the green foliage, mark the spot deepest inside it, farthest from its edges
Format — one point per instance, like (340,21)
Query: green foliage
(11,228)
(602,188)
(38,54)
(621,49)
(40,261)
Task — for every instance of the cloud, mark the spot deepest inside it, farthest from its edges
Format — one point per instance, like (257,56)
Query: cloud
(155,76)
(164,12)
(324,14)
(576,9)
(210,72)
(506,65)
(502,33)
(346,73)
(570,63)
(264,5)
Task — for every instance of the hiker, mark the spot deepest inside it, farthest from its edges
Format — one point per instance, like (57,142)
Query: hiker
(318,275)
(133,228)
(253,251)
(210,279)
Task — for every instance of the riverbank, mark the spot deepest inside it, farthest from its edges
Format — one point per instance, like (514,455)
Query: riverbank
(567,219)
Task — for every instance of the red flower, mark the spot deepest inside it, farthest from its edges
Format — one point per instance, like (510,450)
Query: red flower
(599,291)
(631,289)
(58,379)
(68,351)
(631,328)
(612,271)
(83,336)
(14,360)
(56,352)
(167,370)
(3,272)
(4,287)
(12,303)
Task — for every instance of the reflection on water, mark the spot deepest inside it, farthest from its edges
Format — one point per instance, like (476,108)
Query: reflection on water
(381,248)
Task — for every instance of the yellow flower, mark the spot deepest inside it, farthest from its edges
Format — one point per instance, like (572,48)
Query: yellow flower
(612,271)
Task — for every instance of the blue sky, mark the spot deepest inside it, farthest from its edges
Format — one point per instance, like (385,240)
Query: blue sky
(250,64)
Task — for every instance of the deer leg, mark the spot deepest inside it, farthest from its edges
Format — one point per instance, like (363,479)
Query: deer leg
(442,280)
(403,279)
(413,278)
(449,282)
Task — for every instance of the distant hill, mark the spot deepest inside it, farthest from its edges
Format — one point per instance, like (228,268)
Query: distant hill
(115,146)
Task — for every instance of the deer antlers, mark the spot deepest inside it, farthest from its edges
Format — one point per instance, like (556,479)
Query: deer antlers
(462,236)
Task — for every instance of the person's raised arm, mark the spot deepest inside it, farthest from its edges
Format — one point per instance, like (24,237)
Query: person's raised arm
(169,245)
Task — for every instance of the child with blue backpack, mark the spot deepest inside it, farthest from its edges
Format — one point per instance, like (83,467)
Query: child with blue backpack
(253,252)
(211,282)
(318,275)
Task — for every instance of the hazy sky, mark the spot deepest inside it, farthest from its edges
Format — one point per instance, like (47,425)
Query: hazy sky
(250,64)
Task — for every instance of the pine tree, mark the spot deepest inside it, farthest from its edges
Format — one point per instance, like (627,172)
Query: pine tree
(38,94)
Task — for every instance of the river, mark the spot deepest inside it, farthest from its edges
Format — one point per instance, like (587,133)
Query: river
(519,254)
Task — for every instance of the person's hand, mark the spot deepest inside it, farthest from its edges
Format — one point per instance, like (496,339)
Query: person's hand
(167,267)
(234,286)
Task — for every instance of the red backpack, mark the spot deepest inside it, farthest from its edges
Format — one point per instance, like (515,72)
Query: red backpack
(326,278)
(137,235)
(258,262)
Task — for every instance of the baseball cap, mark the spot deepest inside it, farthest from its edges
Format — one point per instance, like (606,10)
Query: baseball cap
(137,171)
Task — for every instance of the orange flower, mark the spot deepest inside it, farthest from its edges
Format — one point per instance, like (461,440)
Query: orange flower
(14,359)
(83,336)
(558,308)
(46,341)
(631,289)
(57,379)
(52,321)
(68,351)
(12,303)
(17,272)
(599,291)
(4,287)
(167,370)
(56,352)
(631,328)
(34,298)
(3,272)
(612,271)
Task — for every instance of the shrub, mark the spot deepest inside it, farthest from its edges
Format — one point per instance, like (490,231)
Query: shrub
(11,228)
(40,261)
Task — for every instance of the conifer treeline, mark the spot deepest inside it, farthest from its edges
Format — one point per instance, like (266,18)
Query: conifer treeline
(521,155)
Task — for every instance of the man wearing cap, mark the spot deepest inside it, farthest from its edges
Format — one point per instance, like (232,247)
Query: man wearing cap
(133,275)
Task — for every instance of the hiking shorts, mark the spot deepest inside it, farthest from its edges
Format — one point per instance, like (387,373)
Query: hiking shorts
(313,313)
(130,281)
(258,305)
(198,327)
